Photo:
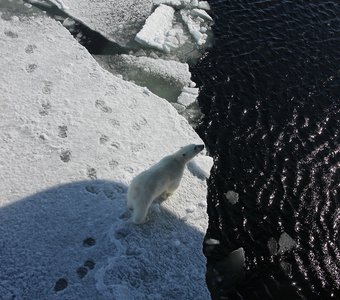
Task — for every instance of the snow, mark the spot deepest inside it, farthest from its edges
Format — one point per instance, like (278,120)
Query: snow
(194,23)
(201,13)
(72,137)
(204,5)
(173,72)
(156,27)
(118,21)
(188,96)
(184,3)
(160,30)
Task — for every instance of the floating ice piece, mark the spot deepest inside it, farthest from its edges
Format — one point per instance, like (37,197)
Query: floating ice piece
(174,72)
(186,98)
(173,3)
(184,4)
(232,197)
(201,13)
(286,243)
(272,246)
(201,165)
(234,265)
(194,25)
(191,90)
(118,21)
(212,242)
(69,22)
(204,5)
(156,27)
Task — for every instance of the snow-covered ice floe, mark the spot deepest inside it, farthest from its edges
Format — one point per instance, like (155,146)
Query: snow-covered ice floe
(196,24)
(72,137)
(188,96)
(161,32)
(118,21)
(155,31)
(173,72)
(184,3)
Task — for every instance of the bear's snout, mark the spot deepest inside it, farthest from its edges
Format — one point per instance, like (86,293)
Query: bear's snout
(199,148)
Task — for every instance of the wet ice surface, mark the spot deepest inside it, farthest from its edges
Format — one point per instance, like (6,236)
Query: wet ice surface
(72,137)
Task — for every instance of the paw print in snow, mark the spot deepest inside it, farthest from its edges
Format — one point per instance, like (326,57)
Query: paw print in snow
(60,284)
(30,49)
(91,173)
(103,139)
(31,68)
(62,131)
(11,34)
(92,189)
(113,164)
(114,123)
(45,109)
(47,89)
(101,105)
(65,156)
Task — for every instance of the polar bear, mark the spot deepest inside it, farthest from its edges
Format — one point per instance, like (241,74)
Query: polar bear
(160,180)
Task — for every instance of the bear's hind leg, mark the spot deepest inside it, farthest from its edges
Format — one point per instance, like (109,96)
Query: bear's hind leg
(140,210)
(129,204)
(139,217)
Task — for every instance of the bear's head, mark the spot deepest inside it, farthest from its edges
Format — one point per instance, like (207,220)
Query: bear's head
(188,152)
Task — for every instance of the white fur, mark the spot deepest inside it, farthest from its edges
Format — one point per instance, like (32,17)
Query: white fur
(161,180)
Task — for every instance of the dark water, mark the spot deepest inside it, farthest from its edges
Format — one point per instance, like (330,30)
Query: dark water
(270,90)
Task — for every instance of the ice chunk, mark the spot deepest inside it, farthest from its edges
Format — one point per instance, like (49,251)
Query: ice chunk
(194,24)
(174,3)
(204,5)
(69,22)
(234,266)
(272,246)
(173,72)
(191,90)
(118,21)
(212,242)
(286,243)
(232,197)
(186,98)
(194,3)
(201,13)
(156,27)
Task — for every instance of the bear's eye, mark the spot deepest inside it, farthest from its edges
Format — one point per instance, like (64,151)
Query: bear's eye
(183,154)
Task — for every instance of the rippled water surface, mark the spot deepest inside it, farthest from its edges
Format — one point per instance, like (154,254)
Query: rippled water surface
(270,90)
